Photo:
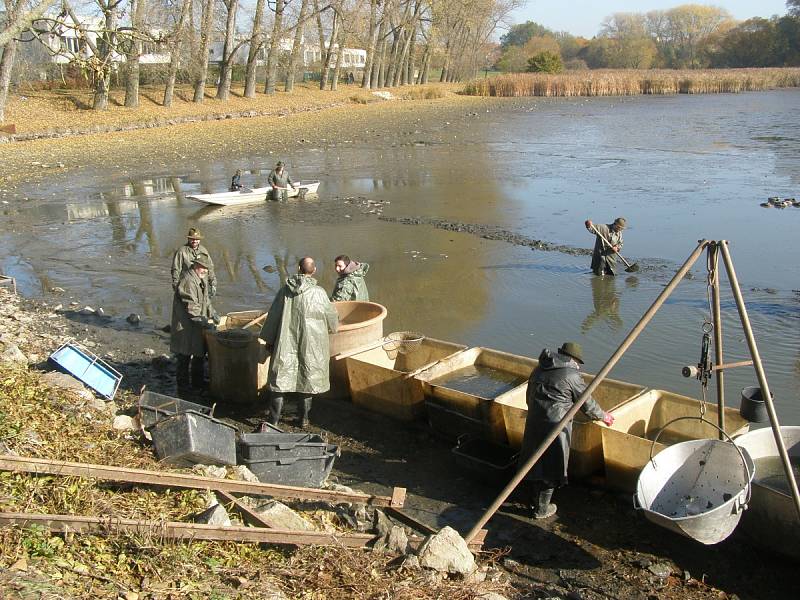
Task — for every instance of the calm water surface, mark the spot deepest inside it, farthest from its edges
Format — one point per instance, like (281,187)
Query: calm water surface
(678,168)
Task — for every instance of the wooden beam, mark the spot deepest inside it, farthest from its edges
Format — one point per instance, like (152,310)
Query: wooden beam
(407,519)
(166,479)
(185,531)
(250,516)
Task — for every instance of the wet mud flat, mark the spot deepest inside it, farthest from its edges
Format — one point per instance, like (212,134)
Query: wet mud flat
(597,547)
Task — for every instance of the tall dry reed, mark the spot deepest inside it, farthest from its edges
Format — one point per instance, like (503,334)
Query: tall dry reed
(612,82)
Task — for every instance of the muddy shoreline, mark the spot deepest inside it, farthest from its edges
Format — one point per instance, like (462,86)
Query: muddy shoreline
(597,547)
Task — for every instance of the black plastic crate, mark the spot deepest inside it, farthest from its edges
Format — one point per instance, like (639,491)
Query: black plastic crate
(301,471)
(485,460)
(191,437)
(452,424)
(259,446)
(154,407)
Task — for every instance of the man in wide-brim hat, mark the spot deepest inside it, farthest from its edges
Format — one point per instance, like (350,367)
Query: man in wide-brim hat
(553,388)
(604,256)
(185,255)
(192,314)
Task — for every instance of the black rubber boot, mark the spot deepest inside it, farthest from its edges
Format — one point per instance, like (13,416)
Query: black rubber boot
(198,372)
(306,409)
(275,409)
(544,508)
(182,372)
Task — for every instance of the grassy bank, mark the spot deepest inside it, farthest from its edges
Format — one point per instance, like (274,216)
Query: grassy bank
(634,82)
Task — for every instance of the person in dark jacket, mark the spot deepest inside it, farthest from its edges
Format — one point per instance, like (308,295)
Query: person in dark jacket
(280,182)
(184,257)
(236,181)
(192,314)
(553,388)
(604,256)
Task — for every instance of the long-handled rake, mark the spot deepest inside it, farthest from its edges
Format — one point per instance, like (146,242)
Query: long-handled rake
(629,268)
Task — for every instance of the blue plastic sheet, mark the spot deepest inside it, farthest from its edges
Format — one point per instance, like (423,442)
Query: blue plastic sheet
(88,368)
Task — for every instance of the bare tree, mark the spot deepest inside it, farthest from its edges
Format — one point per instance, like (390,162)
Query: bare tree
(201,58)
(176,43)
(134,53)
(256,42)
(20,18)
(274,47)
(7,55)
(297,46)
(229,50)
(328,53)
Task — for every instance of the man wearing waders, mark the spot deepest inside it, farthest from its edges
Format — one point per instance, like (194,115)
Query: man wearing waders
(296,333)
(280,181)
(192,314)
(186,254)
(552,389)
(604,257)
(350,284)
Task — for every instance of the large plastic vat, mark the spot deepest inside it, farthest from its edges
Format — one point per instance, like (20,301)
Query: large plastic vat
(381,384)
(154,407)
(627,443)
(360,324)
(463,412)
(190,437)
(238,362)
(586,451)
(303,471)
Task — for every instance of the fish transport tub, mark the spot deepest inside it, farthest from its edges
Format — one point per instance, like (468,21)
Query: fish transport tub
(154,407)
(190,437)
(382,384)
(453,412)
(586,446)
(360,324)
(627,443)
(488,462)
(302,471)
(238,362)
(257,446)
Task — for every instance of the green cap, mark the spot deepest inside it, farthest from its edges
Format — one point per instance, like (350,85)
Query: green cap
(200,262)
(620,222)
(573,350)
(194,234)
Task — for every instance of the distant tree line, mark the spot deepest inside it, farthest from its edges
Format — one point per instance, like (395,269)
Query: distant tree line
(690,36)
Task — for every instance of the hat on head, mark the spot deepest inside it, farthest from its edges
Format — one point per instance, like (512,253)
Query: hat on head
(279,163)
(573,350)
(194,234)
(201,261)
(620,222)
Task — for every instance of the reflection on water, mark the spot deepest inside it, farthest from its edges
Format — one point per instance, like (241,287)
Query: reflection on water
(679,169)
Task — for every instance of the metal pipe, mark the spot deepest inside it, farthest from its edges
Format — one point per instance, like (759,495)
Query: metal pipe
(523,471)
(762,377)
(713,255)
(733,365)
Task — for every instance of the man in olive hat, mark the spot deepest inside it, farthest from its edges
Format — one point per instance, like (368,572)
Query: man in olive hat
(192,314)
(553,388)
(296,333)
(604,257)
(184,257)
(280,181)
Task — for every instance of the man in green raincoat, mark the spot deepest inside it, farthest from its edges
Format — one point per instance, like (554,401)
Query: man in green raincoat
(280,181)
(185,255)
(192,314)
(553,388)
(604,257)
(296,333)
(350,284)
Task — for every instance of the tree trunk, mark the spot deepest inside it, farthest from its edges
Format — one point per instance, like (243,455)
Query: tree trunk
(175,51)
(377,63)
(426,61)
(6,64)
(339,56)
(207,20)
(274,48)
(105,46)
(228,51)
(297,46)
(256,42)
(320,33)
(392,59)
(132,75)
(326,64)
(410,62)
(367,77)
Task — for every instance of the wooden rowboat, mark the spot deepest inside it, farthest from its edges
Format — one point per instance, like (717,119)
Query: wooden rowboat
(252,196)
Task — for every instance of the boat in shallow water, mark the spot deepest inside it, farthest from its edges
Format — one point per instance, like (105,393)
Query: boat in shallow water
(254,195)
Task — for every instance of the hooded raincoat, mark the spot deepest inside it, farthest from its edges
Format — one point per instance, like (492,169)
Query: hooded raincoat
(604,259)
(182,263)
(297,327)
(351,285)
(191,309)
(553,387)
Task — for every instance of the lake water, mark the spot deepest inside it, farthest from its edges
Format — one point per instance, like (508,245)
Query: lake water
(678,168)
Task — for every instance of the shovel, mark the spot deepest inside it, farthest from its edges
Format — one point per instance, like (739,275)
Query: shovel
(629,268)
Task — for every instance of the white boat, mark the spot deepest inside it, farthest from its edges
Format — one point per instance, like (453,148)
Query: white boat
(251,196)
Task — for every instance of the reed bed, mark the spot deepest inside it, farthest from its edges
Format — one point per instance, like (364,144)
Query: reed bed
(611,82)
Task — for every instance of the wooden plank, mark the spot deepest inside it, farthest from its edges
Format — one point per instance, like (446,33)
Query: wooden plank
(184,531)
(42,466)
(250,516)
(407,519)
(398,497)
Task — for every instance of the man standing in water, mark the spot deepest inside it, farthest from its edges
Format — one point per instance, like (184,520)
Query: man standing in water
(604,257)
(192,313)
(553,388)
(187,254)
(350,284)
(280,181)
(296,333)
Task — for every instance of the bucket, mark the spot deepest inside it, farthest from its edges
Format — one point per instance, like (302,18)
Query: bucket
(237,361)
(752,406)
(698,489)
